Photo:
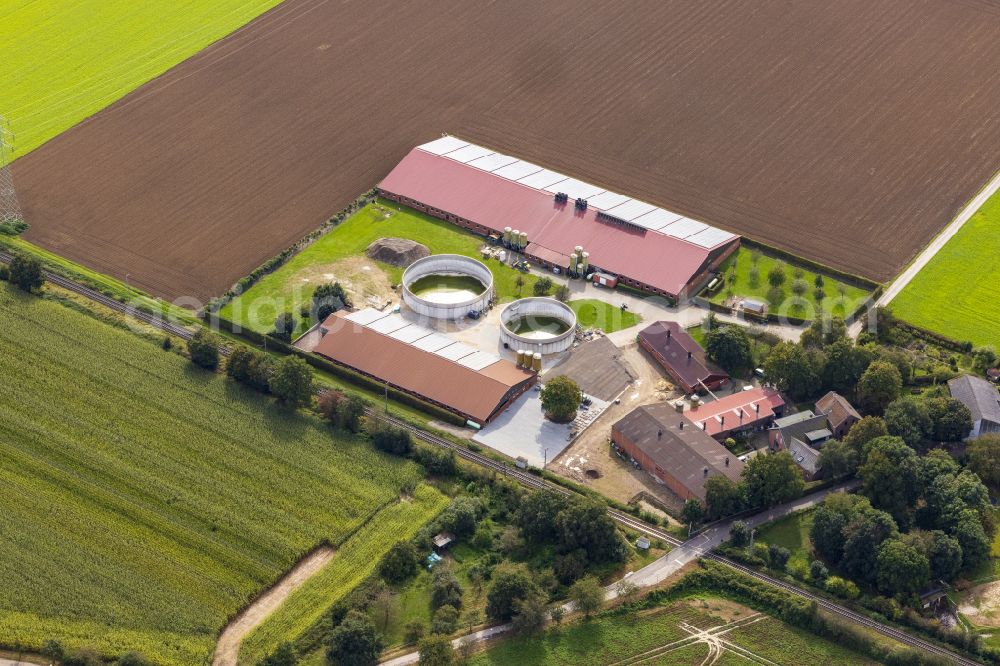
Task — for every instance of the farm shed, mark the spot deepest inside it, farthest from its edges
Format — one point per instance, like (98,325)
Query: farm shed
(646,247)
(744,411)
(982,399)
(670,447)
(681,357)
(422,362)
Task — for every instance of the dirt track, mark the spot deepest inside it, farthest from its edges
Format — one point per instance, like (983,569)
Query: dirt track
(227,649)
(850,132)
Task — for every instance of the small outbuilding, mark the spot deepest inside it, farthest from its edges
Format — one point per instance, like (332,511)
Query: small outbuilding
(442,540)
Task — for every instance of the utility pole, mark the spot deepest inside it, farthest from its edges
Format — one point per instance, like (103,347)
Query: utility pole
(387,397)
(10,210)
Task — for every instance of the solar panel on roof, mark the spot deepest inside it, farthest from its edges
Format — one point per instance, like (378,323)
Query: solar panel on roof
(606,200)
(433,342)
(492,162)
(543,179)
(684,227)
(411,333)
(576,189)
(388,324)
(479,360)
(631,209)
(710,237)
(517,170)
(445,144)
(366,316)
(656,219)
(469,153)
(455,351)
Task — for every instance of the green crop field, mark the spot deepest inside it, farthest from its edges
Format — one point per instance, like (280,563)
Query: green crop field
(592,313)
(143,501)
(340,255)
(65,61)
(354,561)
(957,294)
(840,299)
(614,637)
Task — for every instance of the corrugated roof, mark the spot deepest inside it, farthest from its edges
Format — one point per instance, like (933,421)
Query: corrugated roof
(475,393)
(657,260)
(683,452)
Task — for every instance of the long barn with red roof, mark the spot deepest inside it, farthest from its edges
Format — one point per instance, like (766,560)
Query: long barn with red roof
(649,248)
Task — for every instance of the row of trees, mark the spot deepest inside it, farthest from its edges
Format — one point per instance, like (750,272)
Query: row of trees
(766,480)
(289,379)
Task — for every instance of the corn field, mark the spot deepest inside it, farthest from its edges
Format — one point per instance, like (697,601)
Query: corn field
(143,502)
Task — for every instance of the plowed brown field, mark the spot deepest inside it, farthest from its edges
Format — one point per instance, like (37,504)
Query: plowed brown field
(847,131)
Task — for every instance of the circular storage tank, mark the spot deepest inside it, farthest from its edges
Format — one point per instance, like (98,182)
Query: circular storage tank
(447,286)
(538,326)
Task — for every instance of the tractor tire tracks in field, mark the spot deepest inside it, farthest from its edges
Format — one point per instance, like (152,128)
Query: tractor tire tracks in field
(227,649)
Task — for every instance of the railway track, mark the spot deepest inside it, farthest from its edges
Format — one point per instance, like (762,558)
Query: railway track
(848,614)
(535,482)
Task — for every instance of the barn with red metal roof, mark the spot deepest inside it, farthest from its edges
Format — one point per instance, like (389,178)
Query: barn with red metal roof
(648,248)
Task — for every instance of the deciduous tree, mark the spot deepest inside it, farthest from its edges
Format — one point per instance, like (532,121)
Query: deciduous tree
(588,595)
(436,650)
(788,368)
(400,563)
(354,642)
(890,476)
(865,533)
(772,479)
(880,384)
(901,569)
(864,431)
(26,272)
(292,382)
(561,398)
(204,350)
(510,583)
(909,419)
(722,497)
(284,326)
(952,420)
(984,459)
(838,460)
(729,347)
